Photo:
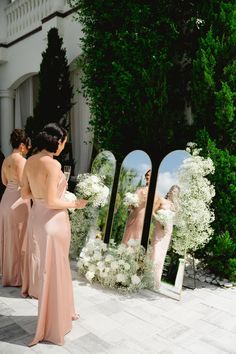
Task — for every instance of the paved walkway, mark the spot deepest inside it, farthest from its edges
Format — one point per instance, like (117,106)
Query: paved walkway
(204,321)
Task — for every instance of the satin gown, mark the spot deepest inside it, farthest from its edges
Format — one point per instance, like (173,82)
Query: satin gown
(31,265)
(51,231)
(160,244)
(134,224)
(14,213)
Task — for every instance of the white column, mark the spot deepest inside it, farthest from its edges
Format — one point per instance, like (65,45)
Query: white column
(7,119)
(3,20)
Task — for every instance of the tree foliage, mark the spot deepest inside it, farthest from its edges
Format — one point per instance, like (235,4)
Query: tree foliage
(135,72)
(214,75)
(55,91)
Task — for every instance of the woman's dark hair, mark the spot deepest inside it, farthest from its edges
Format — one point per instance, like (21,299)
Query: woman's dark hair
(147,172)
(19,136)
(49,137)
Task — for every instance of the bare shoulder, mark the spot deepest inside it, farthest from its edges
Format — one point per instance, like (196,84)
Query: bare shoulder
(50,163)
(18,158)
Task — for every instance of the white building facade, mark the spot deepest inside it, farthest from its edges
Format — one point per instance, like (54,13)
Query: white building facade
(23,37)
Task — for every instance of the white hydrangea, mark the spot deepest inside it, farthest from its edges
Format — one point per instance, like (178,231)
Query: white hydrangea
(92,188)
(122,267)
(70,197)
(127,266)
(109,258)
(121,278)
(131,199)
(101,265)
(114,265)
(90,275)
(135,279)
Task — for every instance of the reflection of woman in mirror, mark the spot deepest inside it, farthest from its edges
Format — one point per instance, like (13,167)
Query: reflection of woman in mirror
(134,224)
(162,233)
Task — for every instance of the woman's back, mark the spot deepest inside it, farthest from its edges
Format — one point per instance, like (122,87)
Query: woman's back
(12,168)
(38,168)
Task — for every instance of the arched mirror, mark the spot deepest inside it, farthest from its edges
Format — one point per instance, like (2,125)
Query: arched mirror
(90,222)
(168,266)
(104,166)
(131,198)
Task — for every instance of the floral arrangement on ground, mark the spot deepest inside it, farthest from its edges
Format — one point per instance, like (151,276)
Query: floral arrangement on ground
(126,268)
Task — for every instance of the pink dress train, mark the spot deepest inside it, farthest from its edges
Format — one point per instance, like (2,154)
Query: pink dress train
(134,224)
(30,272)
(51,229)
(14,213)
(159,247)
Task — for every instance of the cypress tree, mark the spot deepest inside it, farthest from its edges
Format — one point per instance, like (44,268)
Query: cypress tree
(55,91)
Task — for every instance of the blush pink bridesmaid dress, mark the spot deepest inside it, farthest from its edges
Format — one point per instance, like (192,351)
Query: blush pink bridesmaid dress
(31,265)
(51,230)
(14,213)
(160,244)
(134,224)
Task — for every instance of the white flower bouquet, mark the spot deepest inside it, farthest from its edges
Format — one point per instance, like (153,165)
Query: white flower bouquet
(125,268)
(131,199)
(164,217)
(91,187)
(70,197)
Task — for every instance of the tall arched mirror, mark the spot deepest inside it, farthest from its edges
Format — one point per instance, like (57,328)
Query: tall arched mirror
(168,266)
(104,166)
(131,197)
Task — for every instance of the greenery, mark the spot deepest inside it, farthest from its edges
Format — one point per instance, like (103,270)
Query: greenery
(144,63)
(214,103)
(220,253)
(134,78)
(81,222)
(214,75)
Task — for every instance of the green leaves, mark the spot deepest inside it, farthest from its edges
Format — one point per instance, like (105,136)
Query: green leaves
(130,67)
(214,75)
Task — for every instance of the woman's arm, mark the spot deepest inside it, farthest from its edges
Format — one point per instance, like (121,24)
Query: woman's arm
(25,187)
(53,202)
(3,175)
(156,204)
(20,164)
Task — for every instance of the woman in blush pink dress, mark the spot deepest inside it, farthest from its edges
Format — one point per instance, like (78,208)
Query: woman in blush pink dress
(162,234)
(134,224)
(13,211)
(49,225)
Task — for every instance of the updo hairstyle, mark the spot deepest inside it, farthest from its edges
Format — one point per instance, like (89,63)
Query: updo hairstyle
(19,136)
(49,137)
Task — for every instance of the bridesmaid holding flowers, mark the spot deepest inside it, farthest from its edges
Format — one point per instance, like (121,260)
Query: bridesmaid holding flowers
(49,227)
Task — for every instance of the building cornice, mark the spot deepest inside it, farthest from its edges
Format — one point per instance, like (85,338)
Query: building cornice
(39,28)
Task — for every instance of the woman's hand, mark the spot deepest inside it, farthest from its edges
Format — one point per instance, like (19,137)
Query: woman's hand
(80,203)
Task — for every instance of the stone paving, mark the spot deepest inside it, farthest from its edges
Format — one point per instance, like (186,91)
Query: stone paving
(204,321)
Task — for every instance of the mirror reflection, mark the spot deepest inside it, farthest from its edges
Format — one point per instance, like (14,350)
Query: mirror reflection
(167,265)
(104,166)
(131,198)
